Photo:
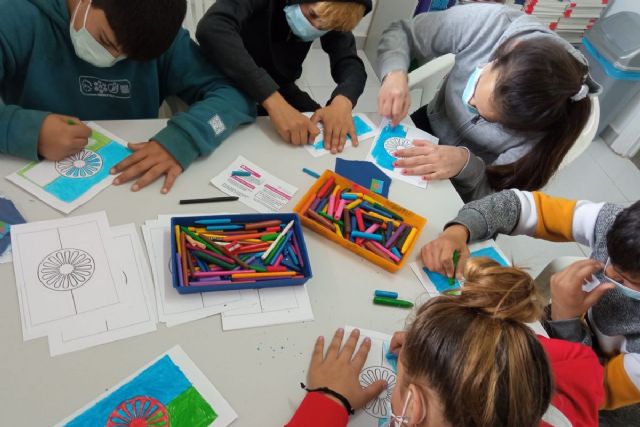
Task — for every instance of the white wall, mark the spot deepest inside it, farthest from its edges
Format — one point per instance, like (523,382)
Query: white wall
(622,5)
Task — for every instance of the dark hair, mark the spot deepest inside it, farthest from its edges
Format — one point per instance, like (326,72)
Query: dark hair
(144,29)
(535,82)
(623,240)
(475,352)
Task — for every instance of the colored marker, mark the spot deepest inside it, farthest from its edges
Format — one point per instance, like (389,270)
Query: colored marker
(240,173)
(311,173)
(386,294)
(392,302)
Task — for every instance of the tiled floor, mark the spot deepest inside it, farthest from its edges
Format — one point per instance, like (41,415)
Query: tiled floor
(598,174)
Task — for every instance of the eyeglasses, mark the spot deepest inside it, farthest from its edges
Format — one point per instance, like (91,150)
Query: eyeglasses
(615,282)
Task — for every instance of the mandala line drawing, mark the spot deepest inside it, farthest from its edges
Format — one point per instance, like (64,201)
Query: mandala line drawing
(378,407)
(140,411)
(66,269)
(80,165)
(395,143)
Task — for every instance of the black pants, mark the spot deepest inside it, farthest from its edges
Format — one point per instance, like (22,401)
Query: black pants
(299,99)
(421,120)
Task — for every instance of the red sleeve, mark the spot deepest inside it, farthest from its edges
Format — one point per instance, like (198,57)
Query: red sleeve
(317,410)
(578,378)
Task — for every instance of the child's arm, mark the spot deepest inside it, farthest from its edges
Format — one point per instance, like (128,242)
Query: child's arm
(622,380)
(347,69)
(220,41)
(216,110)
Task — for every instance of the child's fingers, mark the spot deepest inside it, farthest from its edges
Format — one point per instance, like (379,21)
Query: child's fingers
(353,136)
(595,295)
(350,346)
(134,171)
(170,178)
(446,262)
(318,351)
(374,390)
(128,162)
(148,177)
(362,353)
(423,143)
(334,347)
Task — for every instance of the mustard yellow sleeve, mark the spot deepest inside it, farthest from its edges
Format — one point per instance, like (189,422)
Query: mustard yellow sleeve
(620,389)
(555,217)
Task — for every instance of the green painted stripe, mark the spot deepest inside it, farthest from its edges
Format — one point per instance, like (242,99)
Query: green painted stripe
(190,409)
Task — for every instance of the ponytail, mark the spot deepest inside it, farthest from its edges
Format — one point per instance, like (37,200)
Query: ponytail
(535,92)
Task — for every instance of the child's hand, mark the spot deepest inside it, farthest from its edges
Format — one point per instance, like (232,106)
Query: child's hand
(59,139)
(432,161)
(338,123)
(397,341)
(437,255)
(149,160)
(293,126)
(339,369)
(393,99)
(568,300)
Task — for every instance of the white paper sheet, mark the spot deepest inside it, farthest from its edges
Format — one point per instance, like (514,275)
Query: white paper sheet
(136,317)
(174,308)
(274,306)
(365,129)
(377,367)
(69,183)
(390,140)
(260,191)
(100,408)
(66,271)
(487,248)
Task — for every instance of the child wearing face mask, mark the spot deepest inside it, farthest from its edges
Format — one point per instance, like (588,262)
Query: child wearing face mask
(63,61)
(607,317)
(467,360)
(510,109)
(261,44)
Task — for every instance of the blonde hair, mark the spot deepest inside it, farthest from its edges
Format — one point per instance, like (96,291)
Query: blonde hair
(339,15)
(476,353)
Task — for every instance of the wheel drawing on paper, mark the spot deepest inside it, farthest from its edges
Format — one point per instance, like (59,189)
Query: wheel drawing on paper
(378,407)
(395,143)
(66,269)
(140,411)
(80,165)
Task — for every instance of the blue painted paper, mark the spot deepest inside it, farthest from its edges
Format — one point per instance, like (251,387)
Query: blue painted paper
(163,381)
(363,173)
(361,128)
(382,157)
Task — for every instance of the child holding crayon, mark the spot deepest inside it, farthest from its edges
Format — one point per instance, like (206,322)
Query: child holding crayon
(607,317)
(465,360)
(261,44)
(63,61)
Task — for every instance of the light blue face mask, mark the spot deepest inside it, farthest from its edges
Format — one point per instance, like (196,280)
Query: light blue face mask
(300,25)
(470,90)
(87,48)
(627,291)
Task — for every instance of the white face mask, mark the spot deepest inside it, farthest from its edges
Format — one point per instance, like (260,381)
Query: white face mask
(87,48)
(300,25)
(398,420)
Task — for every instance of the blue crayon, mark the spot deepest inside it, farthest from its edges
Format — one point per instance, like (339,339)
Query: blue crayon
(281,248)
(347,196)
(311,173)
(396,252)
(290,265)
(386,294)
(240,173)
(224,227)
(322,204)
(369,207)
(213,221)
(369,236)
(292,254)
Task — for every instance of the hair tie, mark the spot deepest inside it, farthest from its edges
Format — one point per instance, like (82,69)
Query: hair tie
(582,93)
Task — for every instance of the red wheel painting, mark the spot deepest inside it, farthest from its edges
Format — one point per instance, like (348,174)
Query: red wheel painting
(140,411)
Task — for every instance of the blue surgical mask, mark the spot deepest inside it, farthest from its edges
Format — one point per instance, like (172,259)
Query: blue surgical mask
(300,25)
(398,420)
(87,48)
(628,292)
(470,90)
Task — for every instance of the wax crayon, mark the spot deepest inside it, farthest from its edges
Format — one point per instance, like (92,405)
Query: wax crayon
(392,302)
(386,294)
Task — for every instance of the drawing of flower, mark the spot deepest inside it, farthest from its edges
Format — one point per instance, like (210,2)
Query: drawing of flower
(80,165)
(140,411)
(378,407)
(395,143)
(66,269)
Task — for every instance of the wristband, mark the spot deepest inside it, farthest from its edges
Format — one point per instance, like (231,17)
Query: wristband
(345,402)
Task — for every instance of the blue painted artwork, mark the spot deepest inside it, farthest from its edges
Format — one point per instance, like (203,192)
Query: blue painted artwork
(361,128)
(389,141)
(441,282)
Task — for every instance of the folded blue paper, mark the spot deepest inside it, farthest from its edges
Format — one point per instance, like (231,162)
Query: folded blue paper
(365,174)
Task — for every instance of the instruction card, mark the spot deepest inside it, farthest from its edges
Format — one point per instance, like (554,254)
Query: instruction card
(260,191)
(73,181)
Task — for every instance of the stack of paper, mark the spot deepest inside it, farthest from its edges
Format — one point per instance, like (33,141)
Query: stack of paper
(81,283)
(569,18)
(240,309)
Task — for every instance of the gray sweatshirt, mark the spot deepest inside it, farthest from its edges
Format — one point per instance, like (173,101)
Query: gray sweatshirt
(472,32)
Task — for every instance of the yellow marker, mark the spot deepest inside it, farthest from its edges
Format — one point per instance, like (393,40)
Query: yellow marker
(338,231)
(335,190)
(384,218)
(354,204)
(410,237)
(259,275)
(177,231)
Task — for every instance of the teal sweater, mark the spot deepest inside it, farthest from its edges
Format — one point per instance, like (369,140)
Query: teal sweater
(41,74)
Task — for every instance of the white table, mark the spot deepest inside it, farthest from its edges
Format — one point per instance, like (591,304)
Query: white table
(257,370)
